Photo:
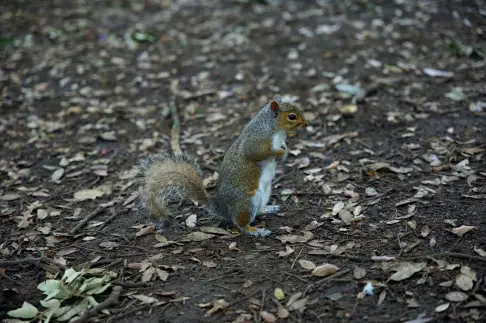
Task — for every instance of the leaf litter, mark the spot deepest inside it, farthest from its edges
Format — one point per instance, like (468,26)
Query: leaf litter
(395,197)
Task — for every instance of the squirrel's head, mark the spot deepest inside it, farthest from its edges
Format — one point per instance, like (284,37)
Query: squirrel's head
(289,117)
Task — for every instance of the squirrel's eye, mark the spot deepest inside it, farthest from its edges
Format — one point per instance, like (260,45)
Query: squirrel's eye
(292,116)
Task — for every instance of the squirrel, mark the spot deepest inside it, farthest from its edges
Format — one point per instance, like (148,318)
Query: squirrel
(243,188)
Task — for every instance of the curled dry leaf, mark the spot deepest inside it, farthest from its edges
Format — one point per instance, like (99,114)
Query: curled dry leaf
(463,229)
(288,252)
(325,270)
(480,251)
(191,221)
(217,305)
(307,264)
(145,231)
(406,270)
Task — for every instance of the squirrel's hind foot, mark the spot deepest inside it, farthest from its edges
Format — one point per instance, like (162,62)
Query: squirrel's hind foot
(256,232)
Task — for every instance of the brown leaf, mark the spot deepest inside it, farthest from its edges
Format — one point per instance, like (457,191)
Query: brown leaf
(288,252)
(462,230)
(268,317)
(325,270)
(145,230)
(198,236)
(217,305)
(406,270)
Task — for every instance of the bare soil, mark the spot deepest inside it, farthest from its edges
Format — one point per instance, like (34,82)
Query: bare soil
(74,89)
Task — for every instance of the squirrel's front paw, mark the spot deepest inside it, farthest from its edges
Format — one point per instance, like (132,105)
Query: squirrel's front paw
(285,153)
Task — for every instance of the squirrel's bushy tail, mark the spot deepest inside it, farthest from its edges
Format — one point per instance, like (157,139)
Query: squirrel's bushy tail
(168,175)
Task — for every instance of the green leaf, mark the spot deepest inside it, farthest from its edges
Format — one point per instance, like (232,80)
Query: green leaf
(27,311)
(53,303)
(91,283)
(75,310)
(99,290)
(49,286)
(70,275)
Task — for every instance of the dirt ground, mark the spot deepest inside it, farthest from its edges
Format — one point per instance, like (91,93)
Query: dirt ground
(386,188)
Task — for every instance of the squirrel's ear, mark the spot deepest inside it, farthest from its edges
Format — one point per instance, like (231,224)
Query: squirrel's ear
(274,106)
(277,98)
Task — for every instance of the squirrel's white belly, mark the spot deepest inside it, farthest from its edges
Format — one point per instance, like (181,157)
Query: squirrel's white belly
(268,168)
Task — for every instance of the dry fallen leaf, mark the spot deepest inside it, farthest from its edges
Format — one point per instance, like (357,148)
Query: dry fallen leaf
(268,317)
(442,307)
(307,264)
(217,305)
(198,236)
(406,270)
(463,229)
(88,194)
(456,296)
(359,272)
(191,221)
(464,282)
(480,251)
(145,230)
(425,231)
(289,250)
(325,270)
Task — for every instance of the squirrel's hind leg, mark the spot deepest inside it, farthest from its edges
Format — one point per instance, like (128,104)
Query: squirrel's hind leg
(244,220)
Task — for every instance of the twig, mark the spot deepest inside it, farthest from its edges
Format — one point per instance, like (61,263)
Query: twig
(176,130)
(131,284)
(327,279)
(111,300)
(33,261)
(133,310)
(110,218)
(293,263)
(449,254)
(83,222)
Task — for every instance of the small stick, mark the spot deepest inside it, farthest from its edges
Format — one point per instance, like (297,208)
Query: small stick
(450,254)
(327,279)
(33,261)
(110,218)
(83,222)
(176,130)
(293,264)
(111,300)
